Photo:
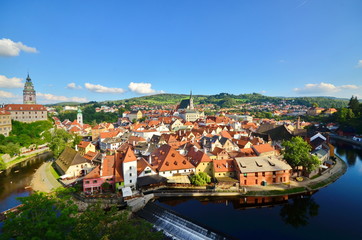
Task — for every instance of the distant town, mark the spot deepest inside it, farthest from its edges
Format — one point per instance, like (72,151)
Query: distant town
(179,145)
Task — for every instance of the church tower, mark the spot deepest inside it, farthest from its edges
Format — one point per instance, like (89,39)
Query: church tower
(29,96)
(80,116)
(191,106)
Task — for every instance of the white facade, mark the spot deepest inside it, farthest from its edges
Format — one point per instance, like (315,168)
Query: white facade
(182,171)
(147,172)
(130,173)
(76,170)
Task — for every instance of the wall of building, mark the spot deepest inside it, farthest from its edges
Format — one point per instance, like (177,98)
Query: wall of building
(270,177)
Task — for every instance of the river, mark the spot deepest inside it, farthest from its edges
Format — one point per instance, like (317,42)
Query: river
(334,212)
(14,181)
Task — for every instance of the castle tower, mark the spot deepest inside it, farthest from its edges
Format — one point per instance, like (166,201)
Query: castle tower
(29,96)
(80,116)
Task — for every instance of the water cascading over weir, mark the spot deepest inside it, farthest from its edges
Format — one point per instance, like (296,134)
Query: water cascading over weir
(177,227)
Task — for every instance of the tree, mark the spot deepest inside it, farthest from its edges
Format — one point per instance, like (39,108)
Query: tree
(95,223)
(55,216)
(42,217)
(200,179)
(354,105)
(296,153)
(60,139)
(2,164)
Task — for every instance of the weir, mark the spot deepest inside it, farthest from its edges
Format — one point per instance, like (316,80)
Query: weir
(177,227)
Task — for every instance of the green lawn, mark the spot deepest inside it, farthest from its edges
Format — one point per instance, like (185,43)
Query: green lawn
(54,172)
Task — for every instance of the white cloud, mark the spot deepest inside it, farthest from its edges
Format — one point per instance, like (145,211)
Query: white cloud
(322,88)
(4,94)
(262,91)
(359,64)
(73,86)
(8,48)
(54,98)
(102,89)
(14,82)
(143,88)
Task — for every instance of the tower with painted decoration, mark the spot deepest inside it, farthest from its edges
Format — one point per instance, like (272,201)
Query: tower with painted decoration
(29,96)
(79,116)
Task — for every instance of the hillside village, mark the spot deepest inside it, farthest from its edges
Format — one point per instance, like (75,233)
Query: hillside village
(158,147)
(169,146)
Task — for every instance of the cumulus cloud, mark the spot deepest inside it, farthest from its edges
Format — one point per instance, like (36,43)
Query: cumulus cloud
(142,88)
(359,64)
(73,86)
(102,89)
(14,82)
(54,98)
(4,94)
(8,48)
(324,88)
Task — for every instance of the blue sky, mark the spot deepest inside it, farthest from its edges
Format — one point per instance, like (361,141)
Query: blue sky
(108,50)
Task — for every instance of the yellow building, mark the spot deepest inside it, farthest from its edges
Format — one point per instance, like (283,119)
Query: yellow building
(5,122)
(84,147)
(201,161)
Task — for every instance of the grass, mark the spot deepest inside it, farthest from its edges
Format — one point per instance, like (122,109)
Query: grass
(315,176)
(54,172)
(22,158)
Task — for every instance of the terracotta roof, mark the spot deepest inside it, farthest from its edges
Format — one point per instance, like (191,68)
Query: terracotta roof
(25,107)
(224,165)
(4,112)
(247,152)
(83,144)
(108,166)
(128,155)
(90,155)
(262,148)
(95,173)
(142,164)
(68,158)
(166,158)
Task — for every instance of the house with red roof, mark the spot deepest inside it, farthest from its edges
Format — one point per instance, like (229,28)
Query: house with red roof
(168,162)
(92,182)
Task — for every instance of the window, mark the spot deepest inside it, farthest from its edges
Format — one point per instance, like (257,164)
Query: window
(274,180)
(256,174)
(130,167)
(130,174)
(263,174)
(274,173)
(130,181)
(86,182)
(256,181)
(281,179)
(245,175)
(245,182)
(94,181)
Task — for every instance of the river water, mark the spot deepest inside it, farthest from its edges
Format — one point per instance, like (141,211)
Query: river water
(334,212)
(14,182)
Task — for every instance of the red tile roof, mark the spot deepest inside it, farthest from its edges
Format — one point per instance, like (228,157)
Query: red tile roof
(166,158)
(25,107)
(224,165)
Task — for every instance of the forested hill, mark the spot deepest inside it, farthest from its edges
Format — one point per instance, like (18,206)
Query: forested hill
(229,100)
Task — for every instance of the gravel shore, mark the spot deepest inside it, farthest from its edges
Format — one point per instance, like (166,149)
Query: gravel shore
(43,180)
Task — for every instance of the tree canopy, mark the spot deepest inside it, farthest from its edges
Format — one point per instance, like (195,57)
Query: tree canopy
(297,153)
(200,179)
(55,216)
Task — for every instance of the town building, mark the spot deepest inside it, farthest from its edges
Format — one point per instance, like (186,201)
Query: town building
(27,112)
(5,122)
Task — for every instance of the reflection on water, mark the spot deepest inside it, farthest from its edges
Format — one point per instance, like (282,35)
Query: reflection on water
(349,151)
(13,182)
(299,210)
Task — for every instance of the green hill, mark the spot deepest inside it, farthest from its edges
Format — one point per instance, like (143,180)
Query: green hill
(229,100)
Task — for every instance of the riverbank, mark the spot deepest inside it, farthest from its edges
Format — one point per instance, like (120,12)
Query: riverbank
(25,157)
(345,139)
(43,180)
